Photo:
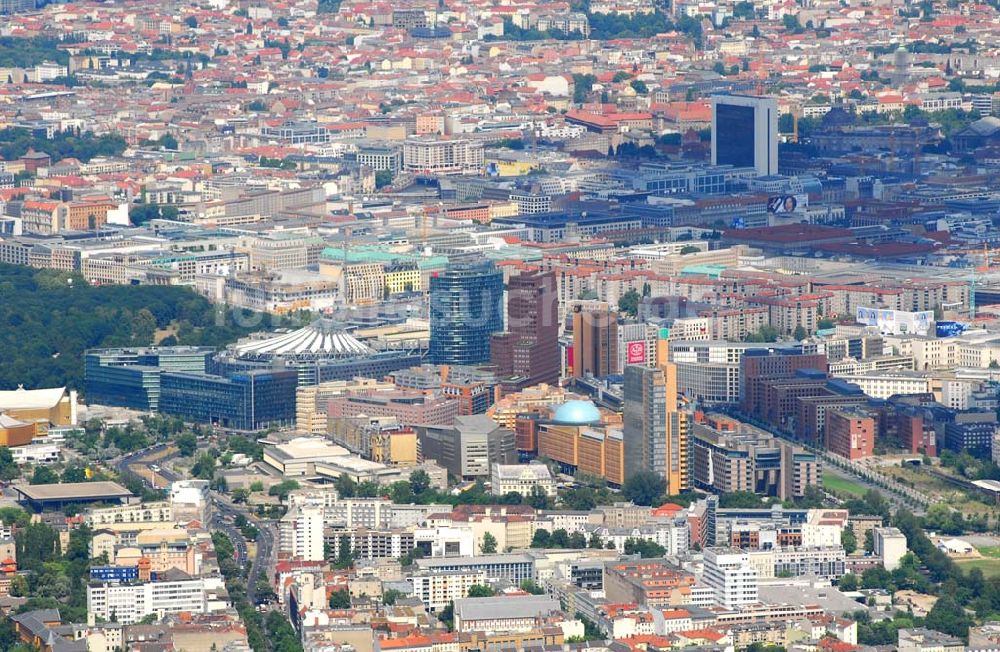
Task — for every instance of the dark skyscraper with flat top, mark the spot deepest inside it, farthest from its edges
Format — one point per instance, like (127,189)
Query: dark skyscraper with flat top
(528,353)
(466,308)
(745,132)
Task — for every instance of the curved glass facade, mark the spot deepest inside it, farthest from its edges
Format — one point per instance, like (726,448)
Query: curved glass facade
(466,302)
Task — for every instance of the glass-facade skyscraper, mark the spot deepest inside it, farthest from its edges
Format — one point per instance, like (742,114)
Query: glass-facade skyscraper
(466,302)
(745,132)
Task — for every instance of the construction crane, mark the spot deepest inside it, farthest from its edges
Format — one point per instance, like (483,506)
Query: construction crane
(796,114)
(892,150)
(986,266)
(973,281)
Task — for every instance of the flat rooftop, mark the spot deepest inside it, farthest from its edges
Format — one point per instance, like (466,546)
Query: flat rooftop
(505,607)
(477,560)
(70,491)
(828,598)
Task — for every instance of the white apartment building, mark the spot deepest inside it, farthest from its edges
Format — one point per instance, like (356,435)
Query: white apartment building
(823,528)
(941,101)
(567,520)
(826,562)
(381,157)
(155,514)
(272,254)
(294,289)
(561,131)
(100,165)
(928,353)
(429,155)
(531,203)
(708,371)
(674,536)
(732,578)
(300,533)
(189,499)
(36,453)
(851,366)
(693,329)
(629,624)
(883,384)
(446,541)
(974,350)
(437,589)
(372,513)
(979,354)
(130,603)
(521,478)
(503,614)
(890,546)
(672,620)
(956,393)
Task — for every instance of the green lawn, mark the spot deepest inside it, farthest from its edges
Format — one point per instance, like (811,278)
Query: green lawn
(839,485)
(990,551)
(990,567)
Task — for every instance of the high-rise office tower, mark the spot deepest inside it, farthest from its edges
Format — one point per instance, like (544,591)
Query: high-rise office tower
(528,353)
(745,132)
(655,431)
(595,343)
(466,303)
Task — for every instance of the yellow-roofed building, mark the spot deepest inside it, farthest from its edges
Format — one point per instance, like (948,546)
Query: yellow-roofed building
(26,414)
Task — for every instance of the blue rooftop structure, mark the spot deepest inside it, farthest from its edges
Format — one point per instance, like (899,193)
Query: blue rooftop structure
(577,413)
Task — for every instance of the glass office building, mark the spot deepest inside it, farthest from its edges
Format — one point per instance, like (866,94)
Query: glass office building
(248,400)
(745,132)
(735,134)
(131,377)
(466,302)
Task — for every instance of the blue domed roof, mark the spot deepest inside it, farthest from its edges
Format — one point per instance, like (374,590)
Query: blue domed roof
(577,413)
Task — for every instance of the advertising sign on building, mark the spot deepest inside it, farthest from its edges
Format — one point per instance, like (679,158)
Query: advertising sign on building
(950,328)
(784,204)
(635,353)
(896,322)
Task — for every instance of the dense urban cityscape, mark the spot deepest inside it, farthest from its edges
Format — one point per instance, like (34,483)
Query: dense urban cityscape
(438,326)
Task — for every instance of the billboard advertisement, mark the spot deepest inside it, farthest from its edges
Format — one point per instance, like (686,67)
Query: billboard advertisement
(896,322)
(782,204)
(635,352)
(950,328)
